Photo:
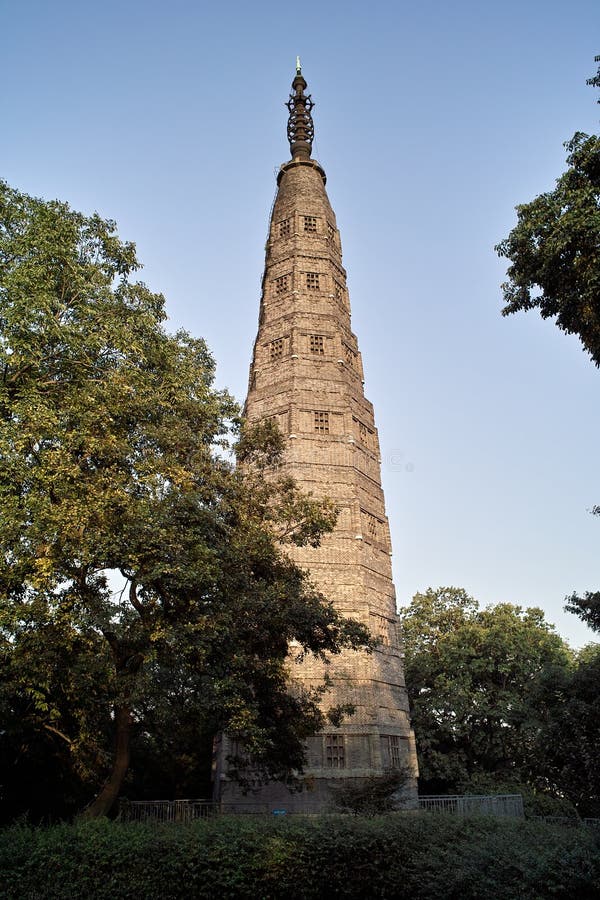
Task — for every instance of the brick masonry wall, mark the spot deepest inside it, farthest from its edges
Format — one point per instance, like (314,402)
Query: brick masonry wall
(306,374)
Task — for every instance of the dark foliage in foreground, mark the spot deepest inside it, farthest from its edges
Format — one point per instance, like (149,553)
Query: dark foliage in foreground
(370,796)
(411,855)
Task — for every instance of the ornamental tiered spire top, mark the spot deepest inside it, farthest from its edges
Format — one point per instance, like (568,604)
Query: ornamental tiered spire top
(300,127)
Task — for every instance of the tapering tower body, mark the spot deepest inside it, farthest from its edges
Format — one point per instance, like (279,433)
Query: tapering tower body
(307,375)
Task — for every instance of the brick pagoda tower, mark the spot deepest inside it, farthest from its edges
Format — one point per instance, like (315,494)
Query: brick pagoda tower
(307,375)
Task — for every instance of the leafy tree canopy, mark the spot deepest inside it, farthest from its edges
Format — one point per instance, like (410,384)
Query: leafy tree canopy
(588,606)
(554,250)
(568,755)
(474,680)
(140,572)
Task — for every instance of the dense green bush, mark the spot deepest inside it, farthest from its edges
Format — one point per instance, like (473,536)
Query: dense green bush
(369,796)
(405,855)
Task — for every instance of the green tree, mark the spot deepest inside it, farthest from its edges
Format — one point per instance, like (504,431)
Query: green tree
(474,677)
(586,607)
(573,748)
(136,563)
(55,717)
(554,250)
(569,753)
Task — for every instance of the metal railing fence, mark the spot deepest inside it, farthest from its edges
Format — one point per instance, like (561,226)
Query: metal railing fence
(183,811)
(167,810)
(475,805)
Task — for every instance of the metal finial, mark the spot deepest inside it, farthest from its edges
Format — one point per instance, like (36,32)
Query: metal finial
(300,127)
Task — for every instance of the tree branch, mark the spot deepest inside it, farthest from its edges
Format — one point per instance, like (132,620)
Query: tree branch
(134,599)
(59,733)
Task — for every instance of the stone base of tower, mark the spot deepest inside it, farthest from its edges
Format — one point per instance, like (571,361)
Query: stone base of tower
(318,788)
(317,795)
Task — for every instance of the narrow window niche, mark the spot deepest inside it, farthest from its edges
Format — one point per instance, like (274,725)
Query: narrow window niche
(282,284)
(276,348)
(316,343)
(396,748)
(383,631)
(321,421)
(372,524)
(365,435)
(313,281)
(335,751)
(350,356)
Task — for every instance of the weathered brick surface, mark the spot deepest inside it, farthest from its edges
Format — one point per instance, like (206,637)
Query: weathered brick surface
(306,374)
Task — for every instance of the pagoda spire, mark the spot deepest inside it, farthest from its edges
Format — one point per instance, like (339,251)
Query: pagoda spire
(300,127)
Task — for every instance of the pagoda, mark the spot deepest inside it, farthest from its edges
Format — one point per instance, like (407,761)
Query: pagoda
(307,375)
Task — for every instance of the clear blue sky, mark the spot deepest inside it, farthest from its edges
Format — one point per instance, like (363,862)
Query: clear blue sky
(433,121)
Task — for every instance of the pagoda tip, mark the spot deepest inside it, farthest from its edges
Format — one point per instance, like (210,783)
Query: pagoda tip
(300,129)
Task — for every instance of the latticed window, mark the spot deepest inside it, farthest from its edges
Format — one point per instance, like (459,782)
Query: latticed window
(285,228)
(282,284)
(349,354)
(383,632)
(276,348)
(310,224)
(330,231)
(363,433)
(313,281)
(372,527)
(335,753)
(322,421)
(339,291)
(395,750)
(317,344)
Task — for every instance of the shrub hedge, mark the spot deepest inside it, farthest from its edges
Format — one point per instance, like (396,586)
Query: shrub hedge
(406,855)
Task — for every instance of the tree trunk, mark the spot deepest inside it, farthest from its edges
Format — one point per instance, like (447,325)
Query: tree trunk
(105,800)
(128,663)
